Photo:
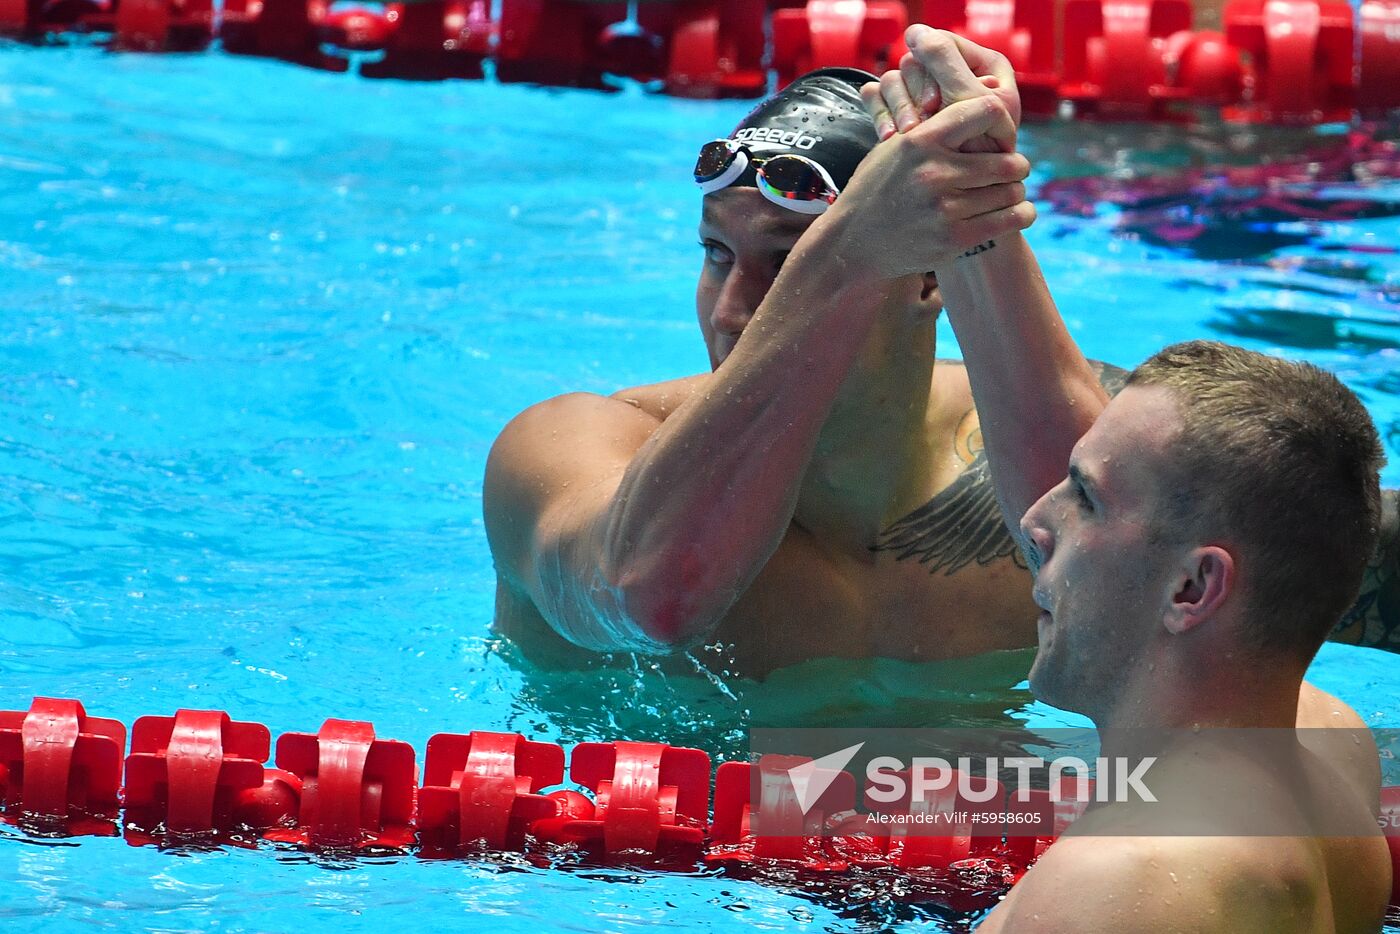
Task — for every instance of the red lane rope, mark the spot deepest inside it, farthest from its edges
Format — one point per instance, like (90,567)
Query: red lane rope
(1304,61)
(200,775)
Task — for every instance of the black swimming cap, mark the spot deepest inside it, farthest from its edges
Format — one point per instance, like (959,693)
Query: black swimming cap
(820,115)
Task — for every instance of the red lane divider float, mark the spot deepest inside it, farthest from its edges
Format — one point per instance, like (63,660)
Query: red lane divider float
(777,827)
(1277,60)
(290,30)
(648,797)
(866,34)
(357,792)
(483,789)
(423,41)
(1378,83)
(61,766)
(1022,31)
(1303,58)
(200,776)
(163,25)
(200,772)
(1115,56)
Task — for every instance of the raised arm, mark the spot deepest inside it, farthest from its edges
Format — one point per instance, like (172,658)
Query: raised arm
(633,533)
(629,533)
(1036,393)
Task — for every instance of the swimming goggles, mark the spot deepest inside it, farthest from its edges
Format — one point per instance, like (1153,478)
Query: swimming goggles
(788,180)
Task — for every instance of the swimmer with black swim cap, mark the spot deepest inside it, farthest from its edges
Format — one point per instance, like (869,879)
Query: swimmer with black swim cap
(800,147)
(819,493)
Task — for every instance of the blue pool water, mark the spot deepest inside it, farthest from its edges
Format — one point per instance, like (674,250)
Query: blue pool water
(258,327)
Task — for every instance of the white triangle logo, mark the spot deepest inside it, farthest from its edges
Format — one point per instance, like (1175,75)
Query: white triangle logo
(812,779)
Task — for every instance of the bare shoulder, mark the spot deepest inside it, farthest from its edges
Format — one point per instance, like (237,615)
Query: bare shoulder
(1317,708)
(538,436)
(1156,884)
(554,454)
(1337,735)
(1109,877)
(661,399)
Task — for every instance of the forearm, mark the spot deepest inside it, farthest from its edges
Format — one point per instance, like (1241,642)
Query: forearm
(707,500)
(1036,395)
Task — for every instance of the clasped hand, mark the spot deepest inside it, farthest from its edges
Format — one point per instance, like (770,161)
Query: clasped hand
(946,175)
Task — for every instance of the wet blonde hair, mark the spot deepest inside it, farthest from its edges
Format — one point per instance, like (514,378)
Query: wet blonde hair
(1282,461)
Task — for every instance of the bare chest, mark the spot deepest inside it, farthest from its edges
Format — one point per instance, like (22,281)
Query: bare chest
(808,603)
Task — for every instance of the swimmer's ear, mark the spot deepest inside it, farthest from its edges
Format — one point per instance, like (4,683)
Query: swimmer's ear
(1205,580)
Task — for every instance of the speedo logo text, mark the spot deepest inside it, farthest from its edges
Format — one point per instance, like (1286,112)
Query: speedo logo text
(793,138)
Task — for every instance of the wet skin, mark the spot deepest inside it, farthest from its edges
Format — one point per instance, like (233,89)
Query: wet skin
(834,586)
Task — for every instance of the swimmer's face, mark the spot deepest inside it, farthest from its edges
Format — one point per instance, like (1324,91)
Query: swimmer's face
(1105,579)
(746,240)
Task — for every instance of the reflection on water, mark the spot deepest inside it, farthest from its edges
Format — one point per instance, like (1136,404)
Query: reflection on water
(1314,302)
(877,899)
(1222,192)
(1270,220)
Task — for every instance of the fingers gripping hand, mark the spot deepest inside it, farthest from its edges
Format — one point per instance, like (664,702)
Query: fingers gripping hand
(943,68)
(918,200)
(962,68)
(949,102)
(991,197)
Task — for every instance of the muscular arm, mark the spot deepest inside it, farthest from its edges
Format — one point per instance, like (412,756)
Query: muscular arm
(1036,393)
(631,533)
(1033,387)
(644,545)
